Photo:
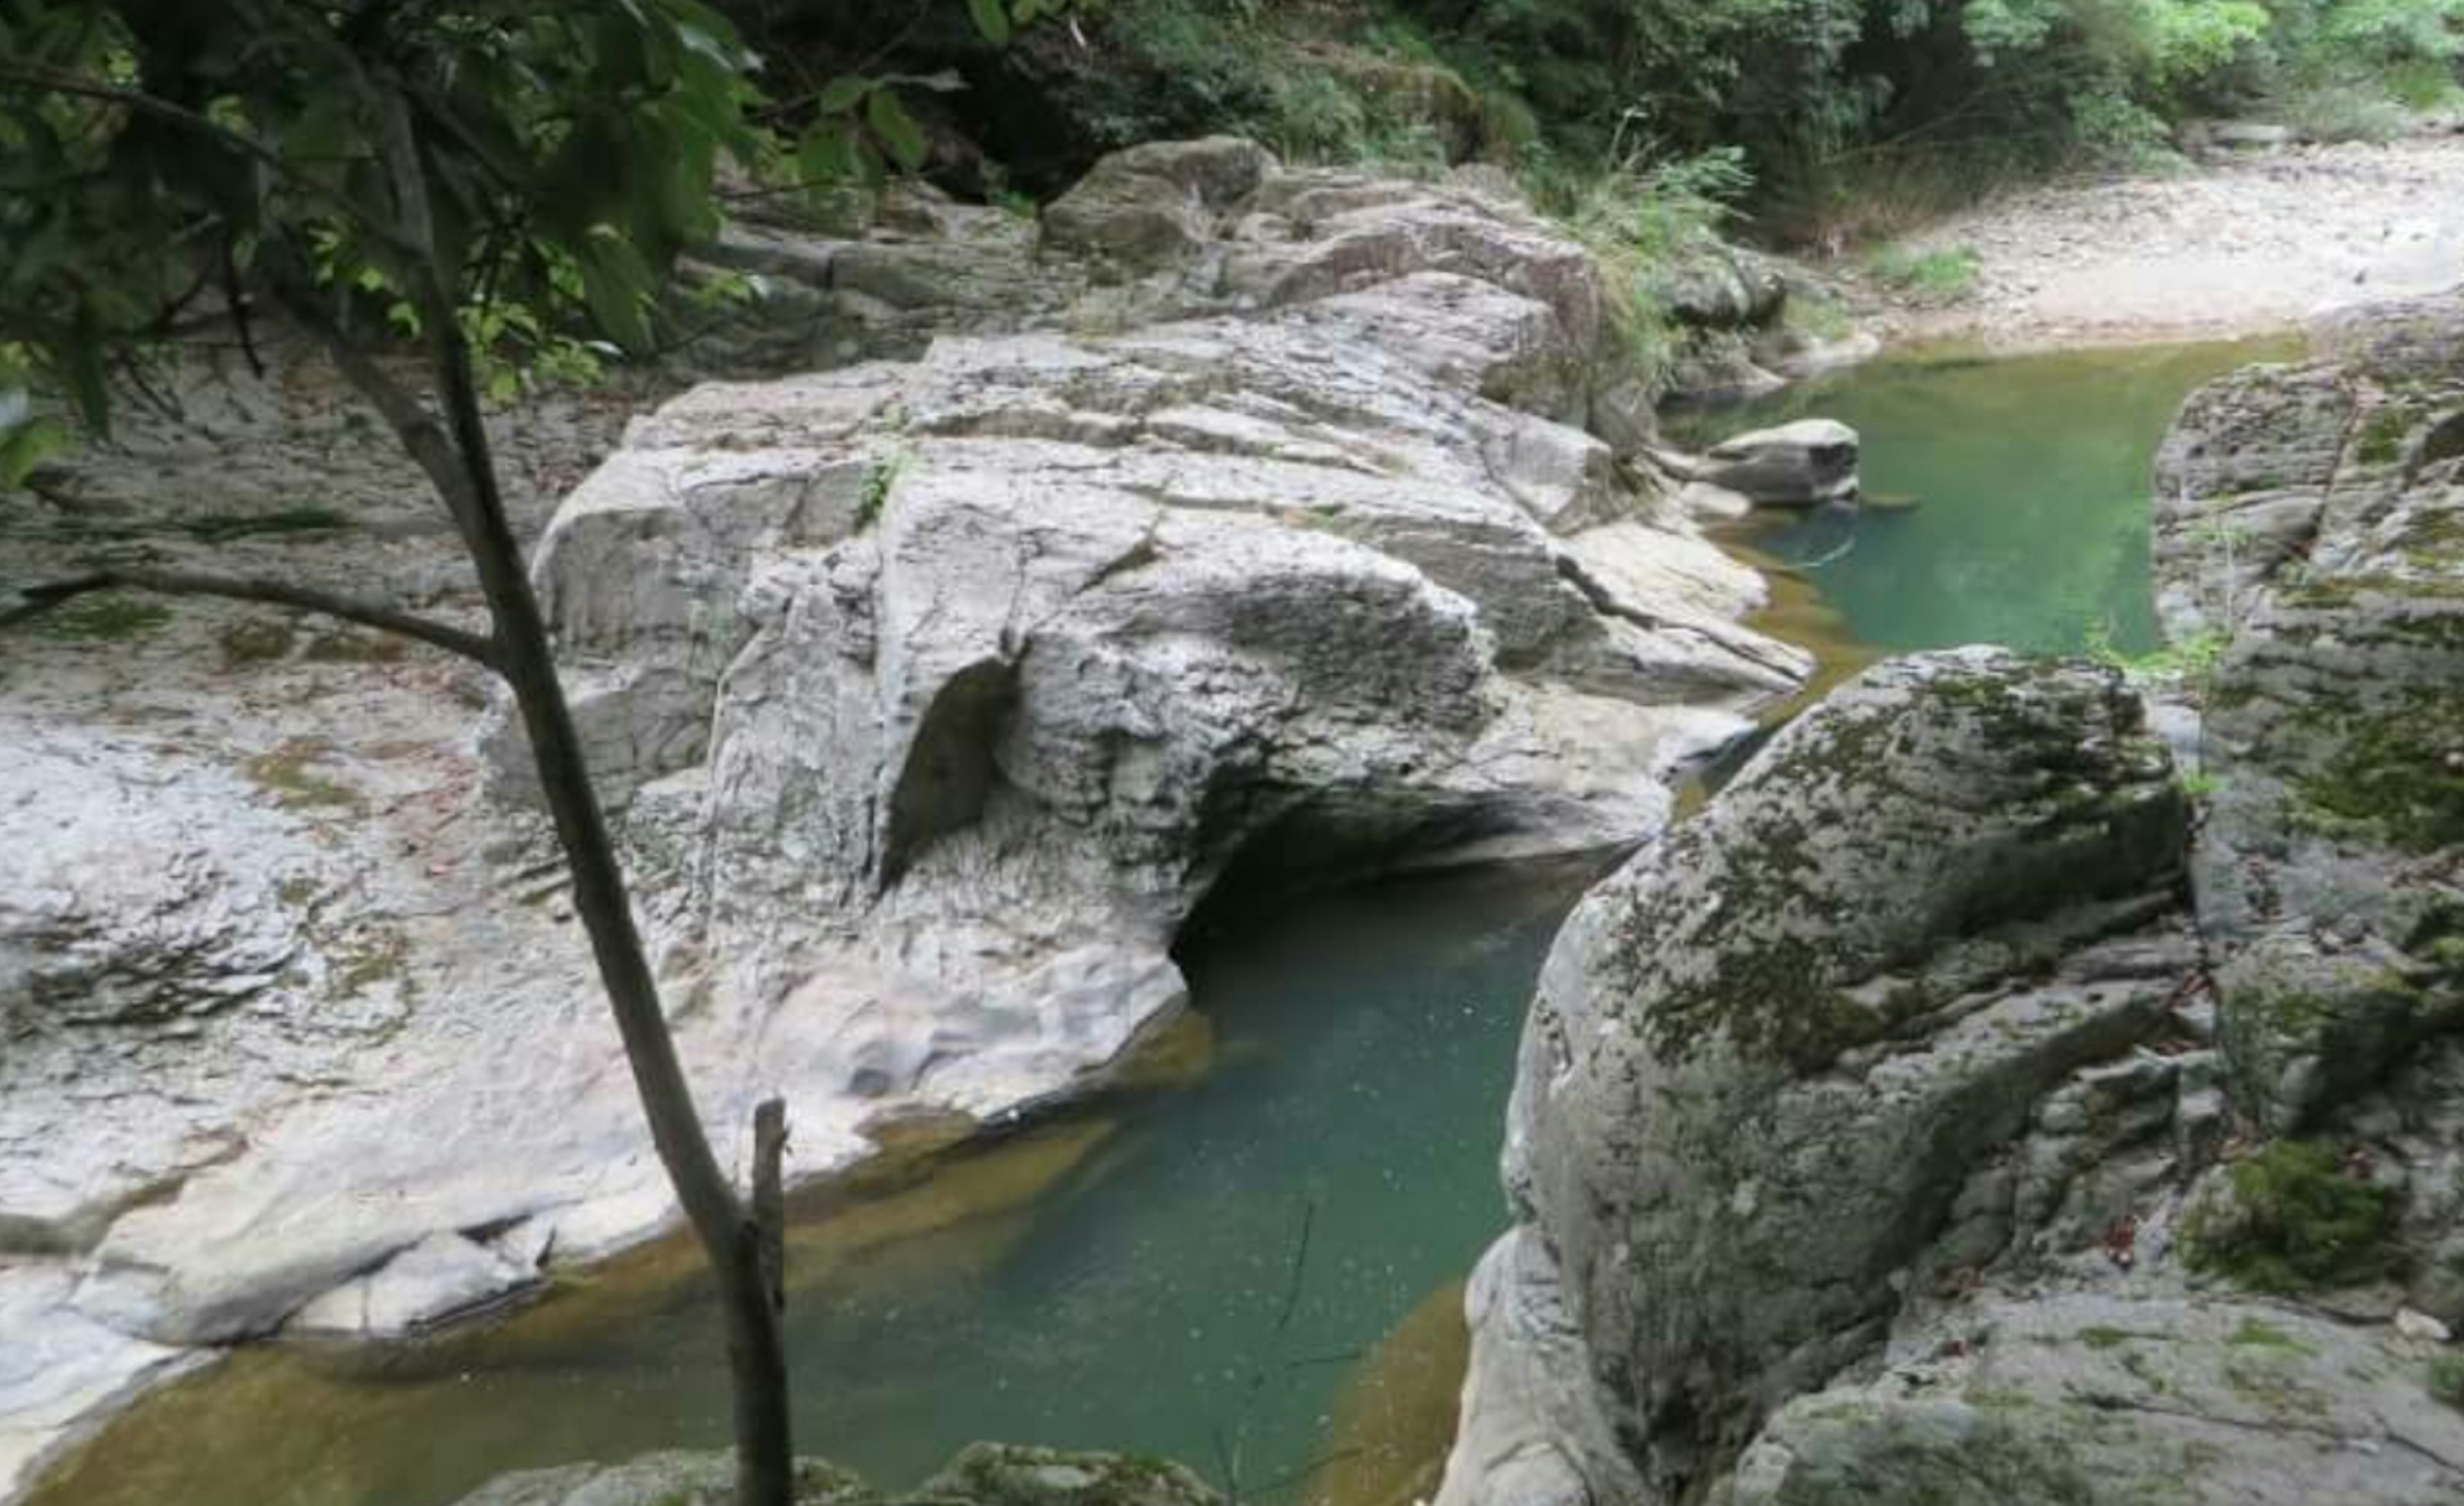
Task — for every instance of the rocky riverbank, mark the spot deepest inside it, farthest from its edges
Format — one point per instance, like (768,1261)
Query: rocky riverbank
(1971,1104)
(1227,526)
(2246,243)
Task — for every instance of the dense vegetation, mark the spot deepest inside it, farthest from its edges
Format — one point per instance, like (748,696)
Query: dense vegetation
(1845,113)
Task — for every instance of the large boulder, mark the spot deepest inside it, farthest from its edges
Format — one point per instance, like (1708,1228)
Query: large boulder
(675,1478)
(1801,464)
(2311,547)
(1771,1056)
(1723,288)
(1178,230)
(1157,202)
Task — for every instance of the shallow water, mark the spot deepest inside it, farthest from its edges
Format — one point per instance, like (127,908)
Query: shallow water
(2010,497)
(1366,1044)
(1120,1277)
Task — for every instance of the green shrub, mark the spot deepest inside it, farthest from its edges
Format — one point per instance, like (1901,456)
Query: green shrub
(1646,221)
(1931,275)
(1316,117)
(2189,43)
(2447,1380)
(2115,130)
(2424,83)
(2346,112)
(2376,34)
(2298,1217)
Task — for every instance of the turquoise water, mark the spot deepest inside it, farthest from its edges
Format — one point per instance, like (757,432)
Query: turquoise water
(2011,495)
(1341,1158)
(1130,1278)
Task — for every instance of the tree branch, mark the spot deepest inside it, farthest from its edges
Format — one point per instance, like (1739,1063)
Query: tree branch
(418,431)
(43,598)
(769,1202)
(139,101)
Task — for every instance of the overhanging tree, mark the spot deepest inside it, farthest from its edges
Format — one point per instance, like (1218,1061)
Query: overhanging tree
(372,169)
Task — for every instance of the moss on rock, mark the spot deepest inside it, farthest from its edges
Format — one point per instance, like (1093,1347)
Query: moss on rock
(2292,1217)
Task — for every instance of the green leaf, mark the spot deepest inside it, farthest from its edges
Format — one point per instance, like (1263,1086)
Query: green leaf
(828,155)
(844,94)
(615,287)
(991,19)
(27,444)
(896,130)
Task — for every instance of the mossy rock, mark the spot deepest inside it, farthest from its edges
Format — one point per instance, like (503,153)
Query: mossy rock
(1019,1475)
(675,1478)
(2332,733)
(2191,1401)
(2293,1216)
(981,1475)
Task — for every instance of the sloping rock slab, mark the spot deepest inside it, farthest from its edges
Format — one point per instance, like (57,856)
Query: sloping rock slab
(2105,1399)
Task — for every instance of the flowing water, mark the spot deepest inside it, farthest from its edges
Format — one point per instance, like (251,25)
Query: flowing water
(1199,1272)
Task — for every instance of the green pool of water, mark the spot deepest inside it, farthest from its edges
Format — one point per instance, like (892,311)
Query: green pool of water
(1117,1280)
(2011,495)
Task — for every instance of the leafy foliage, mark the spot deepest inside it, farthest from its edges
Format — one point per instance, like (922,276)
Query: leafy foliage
(164,158)
(1818,93)
(1651,219)
(159,160)
(2446,1380)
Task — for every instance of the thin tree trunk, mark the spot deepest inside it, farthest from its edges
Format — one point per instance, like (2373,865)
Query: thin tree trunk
(756,1351)
(745,1244)
(465,474)
(744,1249)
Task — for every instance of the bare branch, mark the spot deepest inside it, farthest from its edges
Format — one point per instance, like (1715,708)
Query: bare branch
(140,102)
(769,1202)
(43,598)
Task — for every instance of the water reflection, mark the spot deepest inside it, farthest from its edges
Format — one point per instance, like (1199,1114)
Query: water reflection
(1122,1279)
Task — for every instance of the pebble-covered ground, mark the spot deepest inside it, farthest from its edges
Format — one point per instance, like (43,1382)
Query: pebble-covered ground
(2254,242)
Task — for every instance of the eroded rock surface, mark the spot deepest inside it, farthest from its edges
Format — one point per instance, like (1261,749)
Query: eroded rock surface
(2082,1398)
(963,680)
(1300,533)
